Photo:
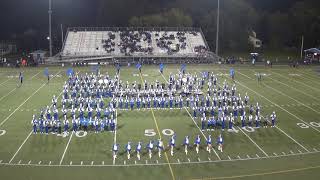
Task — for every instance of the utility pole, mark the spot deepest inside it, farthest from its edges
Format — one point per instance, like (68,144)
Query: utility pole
(217,35)
(302,41)
(50,36)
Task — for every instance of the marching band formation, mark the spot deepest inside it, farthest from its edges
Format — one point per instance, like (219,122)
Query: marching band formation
(91,102)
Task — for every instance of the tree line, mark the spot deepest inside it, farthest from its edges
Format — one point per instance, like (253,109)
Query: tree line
(279,24)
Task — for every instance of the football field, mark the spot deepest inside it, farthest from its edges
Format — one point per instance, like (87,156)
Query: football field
(290,150)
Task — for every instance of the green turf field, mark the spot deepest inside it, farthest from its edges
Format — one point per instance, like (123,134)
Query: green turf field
(289,151)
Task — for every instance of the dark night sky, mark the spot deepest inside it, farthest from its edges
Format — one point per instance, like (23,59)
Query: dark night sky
(18,16)
(21,17)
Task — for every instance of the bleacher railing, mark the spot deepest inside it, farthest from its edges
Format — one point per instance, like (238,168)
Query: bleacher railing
(134,29)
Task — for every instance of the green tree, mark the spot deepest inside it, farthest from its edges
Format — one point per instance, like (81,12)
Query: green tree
(171,18)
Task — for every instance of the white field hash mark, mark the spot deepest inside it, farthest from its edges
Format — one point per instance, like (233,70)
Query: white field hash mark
(162,164)
(20,147)
(194,122)
(254,142)
(115,134)
(297,81)
(201,132)
(23,103)
(283,110)
(295,89)
(282,94)
(31,130)
(4,81)
(16,88)
(65,150)
(276,105)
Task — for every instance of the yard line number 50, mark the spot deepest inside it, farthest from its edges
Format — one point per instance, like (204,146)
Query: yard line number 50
(305,126)
(151,132)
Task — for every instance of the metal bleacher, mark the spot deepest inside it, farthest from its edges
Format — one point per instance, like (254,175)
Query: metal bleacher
(85,44)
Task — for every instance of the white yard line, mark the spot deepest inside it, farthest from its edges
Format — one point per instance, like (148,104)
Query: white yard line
(161,164)
(4,82)
(14,89)
(282,93)
(115,128)
(164,78)
(115,134)
(295,89)
(297,81)
(116,123)
(309,76)
(294,99)
(291,138)
(195,122)
(7,94)
(35,75)
(20,147)
(284,110)
(31,131)
(65,150)
(23,103)
(254,143)
(201,132)
(277,105)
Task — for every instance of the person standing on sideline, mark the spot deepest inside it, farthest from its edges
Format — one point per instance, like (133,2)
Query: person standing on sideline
(20,78)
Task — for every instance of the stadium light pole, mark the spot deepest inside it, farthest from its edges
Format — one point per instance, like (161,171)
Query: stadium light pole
(217,34)
(50,37)
(61,37)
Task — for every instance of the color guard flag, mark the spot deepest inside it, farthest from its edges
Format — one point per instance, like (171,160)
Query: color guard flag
(46,72)
(138,66)
(69,72)
(183,67)
(161,67)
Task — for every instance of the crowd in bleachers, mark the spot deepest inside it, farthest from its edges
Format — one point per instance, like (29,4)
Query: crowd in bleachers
(130,42)
(200,49)
(167,42)
(135,42)
(109,44)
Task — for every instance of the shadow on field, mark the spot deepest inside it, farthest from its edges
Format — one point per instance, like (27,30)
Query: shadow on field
(120,126)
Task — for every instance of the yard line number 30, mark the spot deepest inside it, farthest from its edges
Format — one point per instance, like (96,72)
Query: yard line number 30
(305,126)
